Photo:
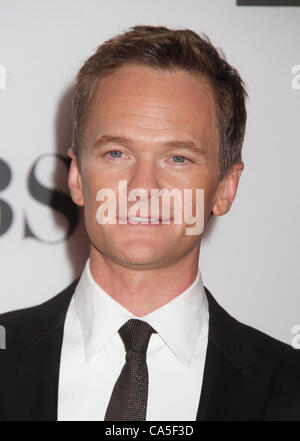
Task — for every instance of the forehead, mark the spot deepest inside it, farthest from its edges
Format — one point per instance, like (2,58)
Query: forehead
(154,102)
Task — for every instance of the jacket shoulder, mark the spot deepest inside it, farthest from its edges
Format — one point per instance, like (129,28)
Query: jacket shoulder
(227,329)
(251,349)
(284,398)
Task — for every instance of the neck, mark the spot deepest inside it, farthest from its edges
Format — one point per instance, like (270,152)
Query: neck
(143,291)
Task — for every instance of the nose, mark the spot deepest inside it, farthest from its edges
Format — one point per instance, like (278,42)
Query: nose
(144,175)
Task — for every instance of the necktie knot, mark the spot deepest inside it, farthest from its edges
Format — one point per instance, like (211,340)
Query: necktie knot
(136,335)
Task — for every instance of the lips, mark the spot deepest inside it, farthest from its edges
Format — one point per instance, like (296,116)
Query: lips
(144,219)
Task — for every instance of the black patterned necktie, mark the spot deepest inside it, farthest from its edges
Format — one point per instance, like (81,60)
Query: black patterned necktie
(128,401)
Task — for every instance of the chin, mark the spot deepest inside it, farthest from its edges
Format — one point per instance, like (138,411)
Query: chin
(141,255)
(133,254)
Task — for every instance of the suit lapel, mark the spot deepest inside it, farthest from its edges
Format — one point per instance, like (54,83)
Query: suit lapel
(236,380)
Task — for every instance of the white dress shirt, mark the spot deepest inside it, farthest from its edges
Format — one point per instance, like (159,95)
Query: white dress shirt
(93,353)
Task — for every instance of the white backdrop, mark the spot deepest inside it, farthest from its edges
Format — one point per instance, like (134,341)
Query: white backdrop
(249,258)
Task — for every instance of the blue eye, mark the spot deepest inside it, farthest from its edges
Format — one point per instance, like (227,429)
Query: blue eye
(116,151)
(180,157)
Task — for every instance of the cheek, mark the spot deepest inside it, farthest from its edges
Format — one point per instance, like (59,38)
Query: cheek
(91,181)
(208,183)
(89,192)
(210,193)
(91,187)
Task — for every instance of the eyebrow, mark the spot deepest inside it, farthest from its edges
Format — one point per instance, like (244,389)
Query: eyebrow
(126,142)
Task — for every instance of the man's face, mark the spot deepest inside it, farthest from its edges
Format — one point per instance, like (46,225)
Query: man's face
(142,126)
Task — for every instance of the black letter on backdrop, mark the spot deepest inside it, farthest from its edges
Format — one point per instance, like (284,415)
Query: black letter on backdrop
(6,214)
(52,198)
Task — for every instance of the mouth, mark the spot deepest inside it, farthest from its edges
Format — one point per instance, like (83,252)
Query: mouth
(136,220)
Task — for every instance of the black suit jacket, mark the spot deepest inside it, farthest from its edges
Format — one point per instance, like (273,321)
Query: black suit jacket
(248,375)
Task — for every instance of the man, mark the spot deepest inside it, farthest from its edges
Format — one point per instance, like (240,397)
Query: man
(138,336)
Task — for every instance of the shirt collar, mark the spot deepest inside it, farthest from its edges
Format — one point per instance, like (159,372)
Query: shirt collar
(179,322)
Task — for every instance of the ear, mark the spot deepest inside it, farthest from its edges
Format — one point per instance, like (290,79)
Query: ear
(75,180)
(227,190)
